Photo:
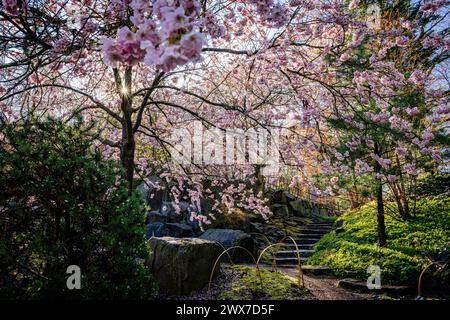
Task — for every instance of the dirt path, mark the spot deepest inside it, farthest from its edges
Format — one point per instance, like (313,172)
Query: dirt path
(325,288)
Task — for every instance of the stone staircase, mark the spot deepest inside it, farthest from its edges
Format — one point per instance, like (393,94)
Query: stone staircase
(309,235)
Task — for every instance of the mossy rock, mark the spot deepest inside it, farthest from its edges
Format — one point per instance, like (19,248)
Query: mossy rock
(280,210)
(182,266)
(248,284)
(289,229)
(231,219)
(298,207)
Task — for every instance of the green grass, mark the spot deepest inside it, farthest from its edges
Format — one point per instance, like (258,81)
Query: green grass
(354,249)
(247,285)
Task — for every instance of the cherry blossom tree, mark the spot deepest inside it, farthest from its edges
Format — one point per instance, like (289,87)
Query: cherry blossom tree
(392,110)
(141,68)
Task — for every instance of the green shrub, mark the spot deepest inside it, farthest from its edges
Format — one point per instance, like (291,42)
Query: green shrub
(61,204)
(354,249)
(433,184)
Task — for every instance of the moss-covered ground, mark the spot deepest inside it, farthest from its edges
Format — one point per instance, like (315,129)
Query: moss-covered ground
(354,249)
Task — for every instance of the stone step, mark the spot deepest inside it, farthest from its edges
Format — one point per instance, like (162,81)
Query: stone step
(321,224)
(293,253)
(292,246)
(312,231)
(303,240)
(289,260)
(308,236)
(317,229)
(308,227)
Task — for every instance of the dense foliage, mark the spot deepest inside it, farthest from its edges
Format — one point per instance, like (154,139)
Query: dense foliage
(61,204)
(408,242)
(432,184)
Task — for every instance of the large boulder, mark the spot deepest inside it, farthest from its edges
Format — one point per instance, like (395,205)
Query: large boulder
(280,210)
(281,196)
(254,227)
(298,207)
(182,266)
(230,238)
(177,230)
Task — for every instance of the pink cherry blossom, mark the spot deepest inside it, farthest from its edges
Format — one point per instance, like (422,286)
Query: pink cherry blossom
(334,180)
(410,168)
(427,136)
(385,163)
(401,151)
(212,26)
(412,111)
(402,41)
(14,6)
(391,178)
(418,77)
(353,4)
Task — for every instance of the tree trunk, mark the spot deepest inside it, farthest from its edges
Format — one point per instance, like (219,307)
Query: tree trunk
(128,146)
(381,227)
(354,198)
(127,157)
(260,181)
(402,190)
(396,192)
